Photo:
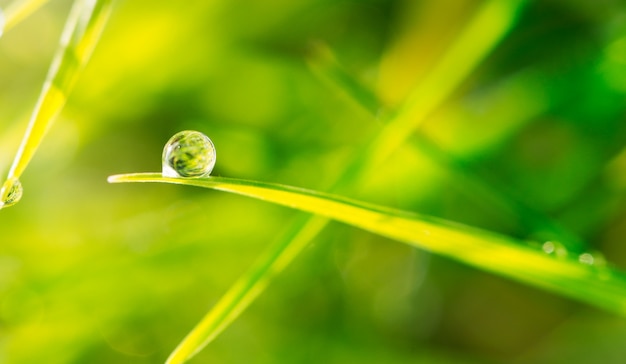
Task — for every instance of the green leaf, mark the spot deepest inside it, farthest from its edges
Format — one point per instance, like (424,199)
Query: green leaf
(326,66)
(597,285)
(82,31)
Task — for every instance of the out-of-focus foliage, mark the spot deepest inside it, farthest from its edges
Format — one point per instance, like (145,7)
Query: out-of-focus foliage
(93,273)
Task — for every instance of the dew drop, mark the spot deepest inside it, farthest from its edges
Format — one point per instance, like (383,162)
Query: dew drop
(586,258)
(554,248)
(10,193)
(598,264)
(548,247)
(188,154)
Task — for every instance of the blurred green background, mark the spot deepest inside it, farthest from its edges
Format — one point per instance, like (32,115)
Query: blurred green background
(99,273)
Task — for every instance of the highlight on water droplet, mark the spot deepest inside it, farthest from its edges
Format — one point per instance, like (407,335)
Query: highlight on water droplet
(554,248)
(10,193)
(188,154)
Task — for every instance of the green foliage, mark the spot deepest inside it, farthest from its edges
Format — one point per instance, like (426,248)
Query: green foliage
(501,115)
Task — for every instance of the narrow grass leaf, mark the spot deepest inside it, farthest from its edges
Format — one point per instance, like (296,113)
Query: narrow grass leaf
(248,287)
(328,68)
(483,32)
(597,285)
(82,31)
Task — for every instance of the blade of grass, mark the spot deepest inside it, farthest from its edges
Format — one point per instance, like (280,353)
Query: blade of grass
(326,66)
(18,11)
(488,26)
(82,31)
(600,286)
(485,29)
(248,287)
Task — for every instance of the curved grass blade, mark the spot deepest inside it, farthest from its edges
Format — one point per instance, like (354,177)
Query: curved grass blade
(82,31)
(18,11)
(491,22)
(596,285)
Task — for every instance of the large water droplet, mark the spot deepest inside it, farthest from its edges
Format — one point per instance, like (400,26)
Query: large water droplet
(188,154)
(10,193)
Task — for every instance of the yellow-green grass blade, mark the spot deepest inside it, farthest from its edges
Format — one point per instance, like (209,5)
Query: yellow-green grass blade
(18,11)
(82,31)
(600,286)
(248,287)
(327,67)
(485,29)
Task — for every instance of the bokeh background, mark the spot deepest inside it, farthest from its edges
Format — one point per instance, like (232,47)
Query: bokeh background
(99,273)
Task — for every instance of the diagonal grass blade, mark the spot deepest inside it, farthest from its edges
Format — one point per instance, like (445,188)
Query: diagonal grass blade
(82,31)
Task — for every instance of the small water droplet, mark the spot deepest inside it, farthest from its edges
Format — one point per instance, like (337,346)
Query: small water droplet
(586,258)
(599,264)
(10,193)
(188,154)
(548,247)
(554,248)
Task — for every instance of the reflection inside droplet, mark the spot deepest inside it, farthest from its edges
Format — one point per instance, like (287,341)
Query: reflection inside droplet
(188,154)
(10,193)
